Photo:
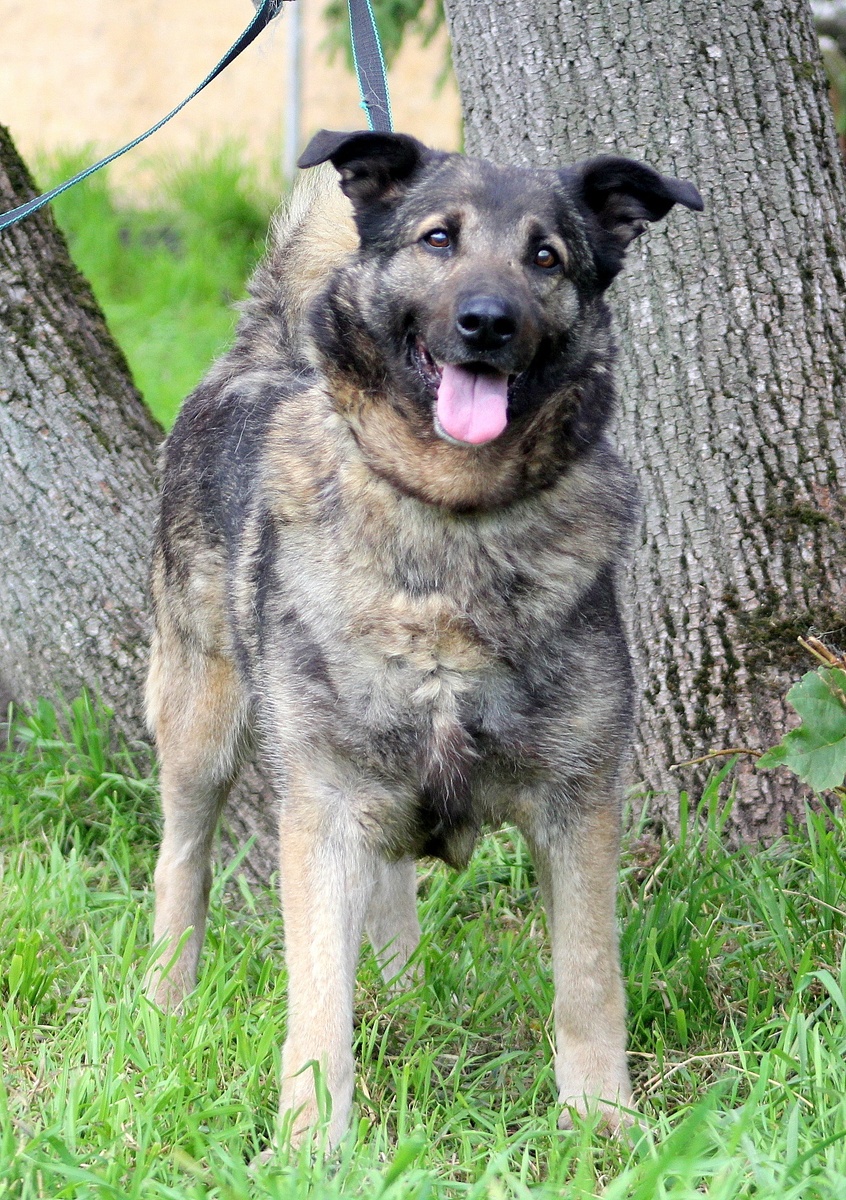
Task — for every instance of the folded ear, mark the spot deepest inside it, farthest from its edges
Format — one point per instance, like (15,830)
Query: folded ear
(626,195)
(374,167)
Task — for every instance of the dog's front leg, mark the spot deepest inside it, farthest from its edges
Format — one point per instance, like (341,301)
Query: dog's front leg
(577,869)
(327,878)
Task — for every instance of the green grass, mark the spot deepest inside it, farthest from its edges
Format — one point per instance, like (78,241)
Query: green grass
(736,994)
(167,277)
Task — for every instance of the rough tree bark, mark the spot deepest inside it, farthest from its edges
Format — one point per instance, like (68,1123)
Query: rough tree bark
(732,331)
(78,454)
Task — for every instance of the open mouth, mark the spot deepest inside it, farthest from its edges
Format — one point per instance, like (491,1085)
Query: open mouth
(471,399)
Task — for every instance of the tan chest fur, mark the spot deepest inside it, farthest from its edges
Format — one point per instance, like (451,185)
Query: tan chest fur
(428,633)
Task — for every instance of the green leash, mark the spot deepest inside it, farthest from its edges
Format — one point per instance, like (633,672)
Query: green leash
(369,66)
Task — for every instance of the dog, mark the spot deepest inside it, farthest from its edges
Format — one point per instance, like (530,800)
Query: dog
(391,526)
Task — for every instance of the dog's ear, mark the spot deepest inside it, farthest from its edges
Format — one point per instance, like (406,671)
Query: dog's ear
(374,167)
(625,195)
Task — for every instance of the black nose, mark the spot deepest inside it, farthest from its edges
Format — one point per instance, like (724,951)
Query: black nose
(485,322)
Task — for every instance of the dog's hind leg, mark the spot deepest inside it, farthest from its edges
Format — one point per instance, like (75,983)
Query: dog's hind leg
(392,923)
(197,709)
(577,864)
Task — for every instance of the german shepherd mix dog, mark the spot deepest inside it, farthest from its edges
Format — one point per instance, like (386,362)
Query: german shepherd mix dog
(389,534)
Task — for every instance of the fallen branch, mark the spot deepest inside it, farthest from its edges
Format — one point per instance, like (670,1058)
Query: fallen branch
(693,762)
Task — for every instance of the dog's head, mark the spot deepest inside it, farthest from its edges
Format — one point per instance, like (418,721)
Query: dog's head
(477,290)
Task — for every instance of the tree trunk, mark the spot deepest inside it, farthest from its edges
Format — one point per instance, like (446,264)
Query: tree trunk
(733,341)
(78,449)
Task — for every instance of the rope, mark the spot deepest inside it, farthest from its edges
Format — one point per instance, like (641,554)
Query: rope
(369,65)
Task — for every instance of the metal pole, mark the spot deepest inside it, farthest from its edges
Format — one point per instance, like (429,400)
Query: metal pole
(293,100)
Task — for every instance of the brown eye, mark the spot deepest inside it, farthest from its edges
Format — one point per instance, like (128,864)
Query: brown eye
(546,258)
(438,239)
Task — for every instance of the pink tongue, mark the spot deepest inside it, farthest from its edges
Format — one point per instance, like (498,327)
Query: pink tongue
(471,407)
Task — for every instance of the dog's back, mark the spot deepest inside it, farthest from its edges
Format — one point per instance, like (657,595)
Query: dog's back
(209,457)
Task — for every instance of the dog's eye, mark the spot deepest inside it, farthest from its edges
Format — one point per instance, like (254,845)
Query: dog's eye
(438,239)
(546,258)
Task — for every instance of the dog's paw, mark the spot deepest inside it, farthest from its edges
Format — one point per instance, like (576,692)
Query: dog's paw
(611,1119)
(406,979)
(303,1126)
(167,990)
(593,1084)
(310,1112)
